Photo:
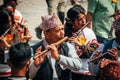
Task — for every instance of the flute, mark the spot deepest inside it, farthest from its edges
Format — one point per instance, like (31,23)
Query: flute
(101,56)
(79,31)
(57,43)
(2,38)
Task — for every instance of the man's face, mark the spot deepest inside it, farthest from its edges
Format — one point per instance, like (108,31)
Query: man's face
(55,34)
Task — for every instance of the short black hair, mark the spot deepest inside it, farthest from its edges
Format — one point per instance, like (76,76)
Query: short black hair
(19,53)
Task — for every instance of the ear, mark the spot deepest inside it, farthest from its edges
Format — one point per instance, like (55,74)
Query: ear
(27,64)
(46,34)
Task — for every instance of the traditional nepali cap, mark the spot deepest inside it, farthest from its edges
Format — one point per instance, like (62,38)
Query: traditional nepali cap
(49,22)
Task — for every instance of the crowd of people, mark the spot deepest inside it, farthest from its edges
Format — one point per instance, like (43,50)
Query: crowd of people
(82,46)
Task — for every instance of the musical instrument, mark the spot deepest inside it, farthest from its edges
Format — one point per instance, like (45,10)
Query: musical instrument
(102,55)
(109,70)
(60,41)
(25,36)
(57,44)
(79,31)
(22,31)
(87,51)
(6,38)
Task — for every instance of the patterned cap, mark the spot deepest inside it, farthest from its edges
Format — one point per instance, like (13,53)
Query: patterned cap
(50,21)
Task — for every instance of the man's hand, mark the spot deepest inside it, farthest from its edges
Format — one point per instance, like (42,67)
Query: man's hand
(114,53)
(54,51)
(40,59)
(74,40)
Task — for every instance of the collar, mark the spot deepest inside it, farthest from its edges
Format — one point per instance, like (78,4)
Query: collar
(45,43)
(17,78)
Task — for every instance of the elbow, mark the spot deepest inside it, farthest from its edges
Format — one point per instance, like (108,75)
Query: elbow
(78,65)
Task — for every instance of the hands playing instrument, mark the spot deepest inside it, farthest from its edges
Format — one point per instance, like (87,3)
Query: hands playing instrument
(54,51)
(39,56)
(112,52)
(75,40)
(40,59)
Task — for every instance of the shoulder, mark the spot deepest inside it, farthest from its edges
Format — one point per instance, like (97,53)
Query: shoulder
(18,13)
(89,32)
(87,29)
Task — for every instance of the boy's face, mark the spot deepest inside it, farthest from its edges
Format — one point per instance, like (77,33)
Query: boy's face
(79,22)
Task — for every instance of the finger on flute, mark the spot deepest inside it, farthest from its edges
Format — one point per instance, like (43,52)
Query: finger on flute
(57,43)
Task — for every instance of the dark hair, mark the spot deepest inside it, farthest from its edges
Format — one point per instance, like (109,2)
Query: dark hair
(80,9)
(4,20)
(9,4)
(19,53)
(7,1)
(73,12)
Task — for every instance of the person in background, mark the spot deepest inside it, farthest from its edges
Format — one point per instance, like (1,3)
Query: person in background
(81,39)
(57,7)
(112,48)
(74,2)
(17,14)
(98,13)
(6,22)
(20,31)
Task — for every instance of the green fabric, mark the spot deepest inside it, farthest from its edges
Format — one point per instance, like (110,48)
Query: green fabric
(101,10)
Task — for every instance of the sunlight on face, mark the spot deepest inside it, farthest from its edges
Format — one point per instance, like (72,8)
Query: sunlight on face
(55,34)
(80,21)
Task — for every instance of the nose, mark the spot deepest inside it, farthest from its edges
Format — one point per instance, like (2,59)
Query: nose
(61,32)
(83,20)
